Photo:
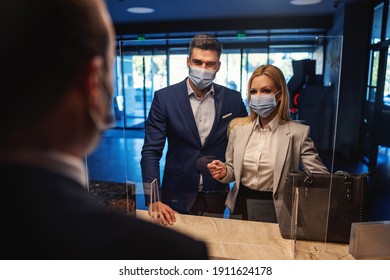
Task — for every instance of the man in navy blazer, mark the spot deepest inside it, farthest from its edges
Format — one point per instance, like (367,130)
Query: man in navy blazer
(192,116)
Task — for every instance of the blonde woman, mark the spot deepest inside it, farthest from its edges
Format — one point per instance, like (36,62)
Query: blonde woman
(263,148)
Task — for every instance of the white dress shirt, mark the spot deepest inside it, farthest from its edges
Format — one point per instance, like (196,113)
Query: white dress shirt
(259,157)
(204,114)
(203,110)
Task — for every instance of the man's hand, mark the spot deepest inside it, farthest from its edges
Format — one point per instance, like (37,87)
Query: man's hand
(217,169)
(162,213)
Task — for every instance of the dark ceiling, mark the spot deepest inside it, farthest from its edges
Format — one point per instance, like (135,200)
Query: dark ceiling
(175,16)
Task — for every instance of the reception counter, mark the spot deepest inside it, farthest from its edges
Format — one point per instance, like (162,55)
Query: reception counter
(236,239)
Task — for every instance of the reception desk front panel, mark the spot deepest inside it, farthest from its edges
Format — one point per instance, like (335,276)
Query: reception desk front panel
(237,239)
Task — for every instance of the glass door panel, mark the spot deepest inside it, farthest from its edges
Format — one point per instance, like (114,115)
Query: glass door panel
(383,135)
(230,72)
(386,93)
(140,76)
(369,108)
(388,24)
(178,69)
(377,24)
(251,59)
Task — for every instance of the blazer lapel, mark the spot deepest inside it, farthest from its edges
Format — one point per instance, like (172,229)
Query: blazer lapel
(244,135)
(185,107)
(281,154)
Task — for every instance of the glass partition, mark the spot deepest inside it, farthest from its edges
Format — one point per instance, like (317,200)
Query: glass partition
(311,65)
(377,24)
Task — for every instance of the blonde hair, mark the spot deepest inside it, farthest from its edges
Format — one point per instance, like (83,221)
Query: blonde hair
(277,77)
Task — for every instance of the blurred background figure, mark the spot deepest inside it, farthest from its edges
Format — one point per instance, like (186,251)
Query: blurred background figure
(64,99)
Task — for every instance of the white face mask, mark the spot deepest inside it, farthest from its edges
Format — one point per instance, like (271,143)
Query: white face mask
(100,124)
(202,78)
(109,120)
(263,104)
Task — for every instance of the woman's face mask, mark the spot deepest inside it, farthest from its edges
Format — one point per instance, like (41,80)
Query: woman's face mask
(202,78)
(263,104)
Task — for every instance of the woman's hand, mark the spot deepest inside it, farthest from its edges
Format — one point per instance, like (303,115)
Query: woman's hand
(217,169)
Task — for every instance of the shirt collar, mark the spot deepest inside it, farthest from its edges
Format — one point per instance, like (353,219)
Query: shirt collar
(191,91)
(272,125)
(55,161)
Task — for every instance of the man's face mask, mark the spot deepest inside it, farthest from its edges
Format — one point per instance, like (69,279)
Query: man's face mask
(109,120)
(202,78)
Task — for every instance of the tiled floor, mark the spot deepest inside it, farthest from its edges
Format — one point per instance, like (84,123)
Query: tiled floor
(117,159)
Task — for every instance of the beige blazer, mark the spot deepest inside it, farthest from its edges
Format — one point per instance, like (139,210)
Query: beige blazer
(294,147)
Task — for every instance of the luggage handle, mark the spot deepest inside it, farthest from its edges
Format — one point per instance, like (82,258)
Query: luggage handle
(347,183)
(306,184)
(309,180)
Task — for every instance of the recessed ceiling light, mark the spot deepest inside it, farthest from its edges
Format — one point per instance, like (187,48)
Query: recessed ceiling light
(140,10)
(305,2)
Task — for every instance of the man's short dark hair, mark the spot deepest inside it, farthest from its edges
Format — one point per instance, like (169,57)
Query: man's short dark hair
(206,42)
(44,46)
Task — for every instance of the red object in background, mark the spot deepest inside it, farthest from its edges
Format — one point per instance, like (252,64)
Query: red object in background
(295,100)
(293,110)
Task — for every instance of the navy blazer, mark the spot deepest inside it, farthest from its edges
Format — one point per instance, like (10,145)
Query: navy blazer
(45,215)
(171,118)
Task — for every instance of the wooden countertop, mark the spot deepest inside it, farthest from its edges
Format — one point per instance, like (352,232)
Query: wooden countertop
(237,239)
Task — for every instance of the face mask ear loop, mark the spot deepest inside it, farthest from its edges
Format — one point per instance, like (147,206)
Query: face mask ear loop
(279,91)
(109,119)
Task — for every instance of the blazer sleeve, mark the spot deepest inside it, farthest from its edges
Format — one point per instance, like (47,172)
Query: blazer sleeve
(229,162)
(309,155)
(154,142)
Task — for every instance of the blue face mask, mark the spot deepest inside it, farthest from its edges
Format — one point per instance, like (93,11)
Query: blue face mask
(263,104)
(109,119)
(202,78)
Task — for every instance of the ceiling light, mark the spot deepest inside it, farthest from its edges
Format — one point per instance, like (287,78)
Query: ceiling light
(305,2)
(140,10)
